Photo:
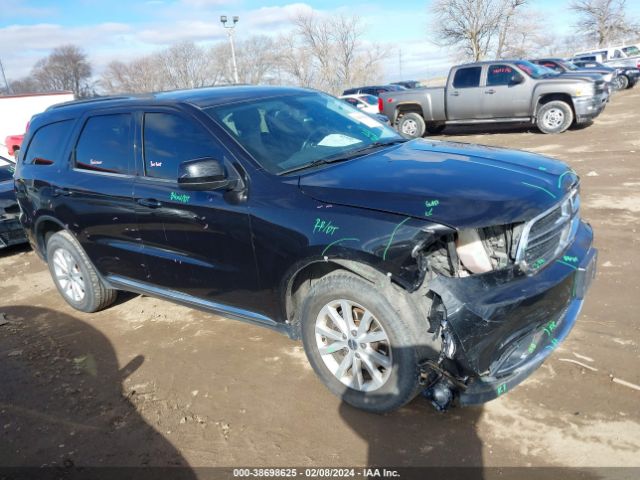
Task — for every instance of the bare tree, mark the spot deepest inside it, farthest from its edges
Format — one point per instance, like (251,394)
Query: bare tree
(66,68)
(25,85)
(328,53)
(604,21)
(507,24)
(185,65)
(139,76)
(468,25)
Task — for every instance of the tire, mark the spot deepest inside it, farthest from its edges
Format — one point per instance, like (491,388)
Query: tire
(435,129)
(411,125)
(621,82)
(75,276)
(395,385)
(554,117)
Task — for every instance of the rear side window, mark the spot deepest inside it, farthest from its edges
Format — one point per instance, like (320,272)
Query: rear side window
(499,75)
(467,77)
(47,143)
(170,139)
(105,144)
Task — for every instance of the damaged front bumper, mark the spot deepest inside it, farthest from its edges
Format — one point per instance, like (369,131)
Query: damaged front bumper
(588,108)
(506,323)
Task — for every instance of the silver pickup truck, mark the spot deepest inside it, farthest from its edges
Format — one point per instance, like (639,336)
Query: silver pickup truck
(496,92)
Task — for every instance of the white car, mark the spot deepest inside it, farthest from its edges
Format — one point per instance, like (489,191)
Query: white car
(366,103)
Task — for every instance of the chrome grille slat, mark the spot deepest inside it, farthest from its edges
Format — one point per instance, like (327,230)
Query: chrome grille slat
(549,233)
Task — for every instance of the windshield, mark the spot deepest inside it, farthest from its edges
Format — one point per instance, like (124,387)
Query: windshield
(533,70)
(631,51)
(370,99)
(289,133)
(569,65)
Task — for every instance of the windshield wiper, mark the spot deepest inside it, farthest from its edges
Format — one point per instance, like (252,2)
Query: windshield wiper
(341,157)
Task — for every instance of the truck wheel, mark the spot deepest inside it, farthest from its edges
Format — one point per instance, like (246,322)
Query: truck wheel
(358,345)
(74,275)
(435,129)
(411,125)
(621,82)
(554,117)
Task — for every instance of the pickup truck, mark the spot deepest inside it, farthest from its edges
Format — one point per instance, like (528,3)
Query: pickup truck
(496,92)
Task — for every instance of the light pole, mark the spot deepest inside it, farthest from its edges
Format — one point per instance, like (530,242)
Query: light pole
(230,28)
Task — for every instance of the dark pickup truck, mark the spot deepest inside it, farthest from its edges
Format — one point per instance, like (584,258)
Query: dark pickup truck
(496,92)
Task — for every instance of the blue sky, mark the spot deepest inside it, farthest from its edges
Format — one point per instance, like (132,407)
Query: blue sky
(121,30)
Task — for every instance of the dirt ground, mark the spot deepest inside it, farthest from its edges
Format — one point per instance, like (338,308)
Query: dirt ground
(146,382)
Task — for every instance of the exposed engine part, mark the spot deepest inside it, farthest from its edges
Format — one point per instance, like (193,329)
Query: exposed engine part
(448,344)
(440,395)
(472,252)
(501,243)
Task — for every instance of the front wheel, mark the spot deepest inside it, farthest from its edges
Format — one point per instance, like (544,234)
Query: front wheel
(358,345)
(554,117)
(411,125)
(621,82)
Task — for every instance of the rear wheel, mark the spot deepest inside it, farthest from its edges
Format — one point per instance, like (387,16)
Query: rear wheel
(74,275)
(554,117)
(411,125)
(358,345)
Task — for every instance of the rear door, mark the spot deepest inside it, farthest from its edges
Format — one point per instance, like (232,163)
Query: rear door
(95,197)
(464,96)
(195,242)
(502,97)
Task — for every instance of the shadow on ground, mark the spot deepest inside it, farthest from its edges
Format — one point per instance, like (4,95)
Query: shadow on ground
(61,401)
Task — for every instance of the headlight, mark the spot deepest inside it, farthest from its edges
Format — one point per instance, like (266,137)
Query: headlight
(586,91)
(471,252)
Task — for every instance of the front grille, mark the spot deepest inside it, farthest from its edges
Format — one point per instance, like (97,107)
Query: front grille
(548,234)
(599,87)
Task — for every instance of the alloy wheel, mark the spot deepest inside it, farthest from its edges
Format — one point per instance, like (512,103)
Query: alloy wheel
(353,345)
(68,274)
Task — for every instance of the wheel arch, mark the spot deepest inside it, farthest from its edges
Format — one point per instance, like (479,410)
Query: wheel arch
(44,227)
(550,97)
(300,281)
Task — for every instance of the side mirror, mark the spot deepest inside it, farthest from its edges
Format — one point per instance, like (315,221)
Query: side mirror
(203,174)
(516,79)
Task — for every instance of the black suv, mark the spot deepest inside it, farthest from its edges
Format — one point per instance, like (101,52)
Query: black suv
(402,265)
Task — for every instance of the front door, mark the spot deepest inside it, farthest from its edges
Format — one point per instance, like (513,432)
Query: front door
(507,92)
(195,242)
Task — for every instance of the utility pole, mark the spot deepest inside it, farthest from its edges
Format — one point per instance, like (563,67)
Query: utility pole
(230,29)
(5,78)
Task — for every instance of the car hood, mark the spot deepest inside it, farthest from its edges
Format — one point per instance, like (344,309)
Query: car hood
(455,184)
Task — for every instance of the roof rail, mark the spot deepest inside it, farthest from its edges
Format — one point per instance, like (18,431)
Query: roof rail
(88,100)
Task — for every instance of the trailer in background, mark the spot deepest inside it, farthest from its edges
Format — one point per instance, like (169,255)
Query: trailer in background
(17,110)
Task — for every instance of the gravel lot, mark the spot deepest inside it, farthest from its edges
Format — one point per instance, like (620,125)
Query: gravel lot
(146,382)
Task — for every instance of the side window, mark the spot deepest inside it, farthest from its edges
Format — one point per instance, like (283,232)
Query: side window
(47,143)
(170,139)
(352,101)
(105,144)
(617,54)
(467,77)
(499,75)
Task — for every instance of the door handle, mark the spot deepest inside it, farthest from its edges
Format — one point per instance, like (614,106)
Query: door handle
(455,94)
(149,202)
(65,192)
(491,91)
